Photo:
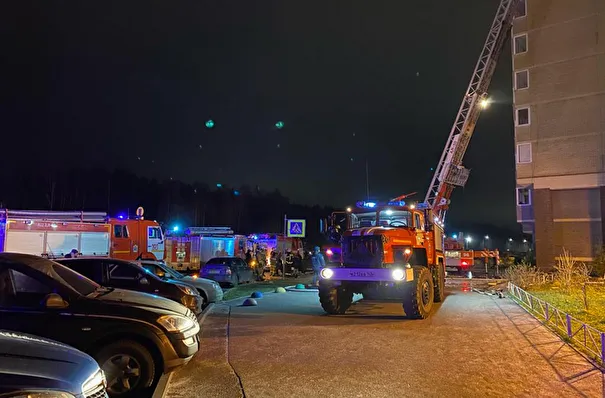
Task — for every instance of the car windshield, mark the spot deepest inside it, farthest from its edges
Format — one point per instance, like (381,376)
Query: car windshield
(78,282)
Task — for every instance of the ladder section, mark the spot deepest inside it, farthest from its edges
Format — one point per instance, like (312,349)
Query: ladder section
(449,172)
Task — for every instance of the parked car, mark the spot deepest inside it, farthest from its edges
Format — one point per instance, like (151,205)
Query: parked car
(132,335)
(122,274)
(32,366)
(227,270)
(210,290)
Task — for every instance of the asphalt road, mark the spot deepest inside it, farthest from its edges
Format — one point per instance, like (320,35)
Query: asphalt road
(473,345)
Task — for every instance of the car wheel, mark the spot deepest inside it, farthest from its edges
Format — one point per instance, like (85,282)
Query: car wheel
(129,368)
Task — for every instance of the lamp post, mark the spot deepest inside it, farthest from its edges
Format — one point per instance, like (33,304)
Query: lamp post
(485,241)
(468,240)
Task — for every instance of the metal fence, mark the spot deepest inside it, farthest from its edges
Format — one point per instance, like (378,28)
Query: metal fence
(587,338)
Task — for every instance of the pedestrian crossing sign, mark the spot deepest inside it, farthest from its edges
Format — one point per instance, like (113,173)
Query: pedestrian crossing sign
(296,228)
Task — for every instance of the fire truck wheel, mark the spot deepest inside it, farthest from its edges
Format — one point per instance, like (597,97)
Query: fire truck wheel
(439,282)
(421,295)
(335,300)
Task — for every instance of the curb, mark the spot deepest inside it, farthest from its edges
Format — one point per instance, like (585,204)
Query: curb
(164,381)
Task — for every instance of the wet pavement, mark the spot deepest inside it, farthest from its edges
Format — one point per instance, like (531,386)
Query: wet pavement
(473,345)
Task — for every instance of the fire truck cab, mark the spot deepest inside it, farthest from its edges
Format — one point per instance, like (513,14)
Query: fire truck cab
(391,251)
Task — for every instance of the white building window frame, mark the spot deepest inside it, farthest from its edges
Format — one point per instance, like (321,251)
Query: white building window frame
(515,43)
(529,197)
(524,2)
(526,71)
(524,144)
(517,116)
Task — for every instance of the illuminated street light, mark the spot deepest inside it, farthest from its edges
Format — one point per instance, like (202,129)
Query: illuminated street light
(454,236)
(510,239)
(468,239)
(349,209)
(486,237)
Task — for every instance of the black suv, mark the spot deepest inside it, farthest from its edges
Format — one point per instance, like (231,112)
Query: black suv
(133,336)
(124,274)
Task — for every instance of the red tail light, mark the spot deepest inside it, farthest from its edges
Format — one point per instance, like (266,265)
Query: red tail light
(464,263)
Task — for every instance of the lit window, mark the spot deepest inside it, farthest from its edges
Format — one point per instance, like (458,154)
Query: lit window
(523,118)
(520,8)
(523,196)
(520,44)
(521,79)
(524,153)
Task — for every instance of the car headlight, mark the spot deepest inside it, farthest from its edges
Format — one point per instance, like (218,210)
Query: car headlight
(37,394)
(175,323)
(398,274)
(187,290)
(94,381)
(326,273)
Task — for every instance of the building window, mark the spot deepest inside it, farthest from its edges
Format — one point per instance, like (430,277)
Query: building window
(521,79)
(522,117)
(520,44)
(524,152)
(523,196)
(520,8)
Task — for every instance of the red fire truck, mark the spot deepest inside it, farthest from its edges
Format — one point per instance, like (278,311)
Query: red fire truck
(199,244)
(54,234)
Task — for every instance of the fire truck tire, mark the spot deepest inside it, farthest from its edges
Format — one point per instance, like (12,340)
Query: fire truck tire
(421,295)
(335,300)
(439,282)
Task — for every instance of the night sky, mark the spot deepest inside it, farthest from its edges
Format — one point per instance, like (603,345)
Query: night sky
(109,82)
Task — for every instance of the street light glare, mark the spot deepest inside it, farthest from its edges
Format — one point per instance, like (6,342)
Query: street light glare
(486,236)
(469,239)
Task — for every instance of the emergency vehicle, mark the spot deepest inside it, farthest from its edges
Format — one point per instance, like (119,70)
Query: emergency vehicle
(54,234)
(197,245)
(279,243)
(459,260)
(394,250)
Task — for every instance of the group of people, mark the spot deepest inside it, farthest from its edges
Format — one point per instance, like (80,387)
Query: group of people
(292,262)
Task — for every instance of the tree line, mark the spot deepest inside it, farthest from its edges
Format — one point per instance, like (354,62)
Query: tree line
(245,209)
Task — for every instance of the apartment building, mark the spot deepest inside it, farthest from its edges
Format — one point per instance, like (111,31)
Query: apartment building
(559,110)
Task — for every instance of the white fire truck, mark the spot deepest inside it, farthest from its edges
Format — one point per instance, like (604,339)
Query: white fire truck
(199,244)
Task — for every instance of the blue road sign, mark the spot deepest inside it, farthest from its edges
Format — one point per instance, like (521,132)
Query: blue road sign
(296,228)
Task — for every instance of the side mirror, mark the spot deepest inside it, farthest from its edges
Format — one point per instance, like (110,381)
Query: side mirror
(53,300)
(144,281)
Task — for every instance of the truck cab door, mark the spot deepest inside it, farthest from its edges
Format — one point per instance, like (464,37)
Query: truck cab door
(155,241)
(121,241)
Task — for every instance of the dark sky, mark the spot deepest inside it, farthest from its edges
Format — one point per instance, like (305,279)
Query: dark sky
(107,82)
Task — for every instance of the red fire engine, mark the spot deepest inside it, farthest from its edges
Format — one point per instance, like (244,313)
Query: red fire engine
(199,244)
(54,234)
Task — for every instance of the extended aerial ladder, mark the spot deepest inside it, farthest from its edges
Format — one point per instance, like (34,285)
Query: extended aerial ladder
(449,172)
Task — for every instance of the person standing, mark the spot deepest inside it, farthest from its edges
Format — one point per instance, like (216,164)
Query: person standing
(318,262)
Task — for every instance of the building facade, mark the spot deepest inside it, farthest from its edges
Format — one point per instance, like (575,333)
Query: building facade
(559,110)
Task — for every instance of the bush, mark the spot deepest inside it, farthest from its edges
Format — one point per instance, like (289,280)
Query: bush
(526,275)
(569,273)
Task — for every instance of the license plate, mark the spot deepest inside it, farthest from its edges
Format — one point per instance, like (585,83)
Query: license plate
(361,274)
(213,271)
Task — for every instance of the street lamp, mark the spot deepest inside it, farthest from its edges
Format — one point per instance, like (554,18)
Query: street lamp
(484,242)
(468,240)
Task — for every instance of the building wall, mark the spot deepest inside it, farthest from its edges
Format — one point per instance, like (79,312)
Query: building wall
(565,64)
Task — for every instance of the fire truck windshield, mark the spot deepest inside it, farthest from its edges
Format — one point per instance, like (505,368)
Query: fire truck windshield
(362,250)
(386,218)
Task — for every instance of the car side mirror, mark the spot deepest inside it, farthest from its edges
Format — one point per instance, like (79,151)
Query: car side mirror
(144,281)
(53,300)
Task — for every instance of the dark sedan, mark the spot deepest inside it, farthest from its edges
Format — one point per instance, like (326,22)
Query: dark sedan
(32,366)
(227,270)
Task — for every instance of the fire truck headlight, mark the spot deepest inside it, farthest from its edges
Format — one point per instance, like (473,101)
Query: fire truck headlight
(326,273)
(398,274)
